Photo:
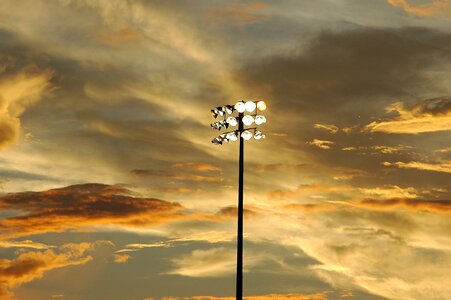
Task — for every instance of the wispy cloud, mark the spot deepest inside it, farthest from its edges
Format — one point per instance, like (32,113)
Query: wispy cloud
(427,116)
(328,127)
(444,166)
(321,143)
(121,258)
(31,265)
(17,93)
(434,7)
(316,296)
(237,14)
(24,244)
(214,262)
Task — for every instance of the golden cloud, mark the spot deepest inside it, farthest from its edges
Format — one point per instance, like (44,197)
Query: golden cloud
(121,258)
(237,14)
(196,166)
(32,265)
(17,93)
(83,205)
(435,7)
(440,206)
(444,166)
(316,296)
(321,144)
(428,116)
(328,127)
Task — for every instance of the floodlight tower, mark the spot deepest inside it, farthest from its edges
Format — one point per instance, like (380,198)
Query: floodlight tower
(242,120)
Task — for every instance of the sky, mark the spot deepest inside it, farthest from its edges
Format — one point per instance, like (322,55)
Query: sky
(110,187)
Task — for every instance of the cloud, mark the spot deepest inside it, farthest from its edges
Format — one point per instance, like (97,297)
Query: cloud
(24,244)
(321,144)
(211,237)
(31,265)
(444,150)
(440,206)
(316,296)
(328,127)
(121,258)
(214,262)
(112,38)
(196,166)
(434,7)
(18,92)
(379,149)
(308,190)
(237,14)
(183,175)
(443,167)
(391,191)
(232,212)
(428,116)
(82,205)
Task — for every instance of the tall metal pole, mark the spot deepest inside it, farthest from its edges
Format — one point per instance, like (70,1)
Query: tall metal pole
(239,258)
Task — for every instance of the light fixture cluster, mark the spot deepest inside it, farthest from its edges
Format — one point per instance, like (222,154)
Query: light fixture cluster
(253,107)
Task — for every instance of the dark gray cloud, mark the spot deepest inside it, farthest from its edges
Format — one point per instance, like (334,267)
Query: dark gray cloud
(81,205)
(347,78)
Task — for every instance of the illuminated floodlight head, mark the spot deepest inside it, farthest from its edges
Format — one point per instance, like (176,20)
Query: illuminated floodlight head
(248,120)
(229,109)
(261,105)
(260,119)
(259,135)
(220,111)
(217,141)
(240,106)
(215,125)
(247,135)
(232,121)
(223,137)
(232,136)
(250,106)
(224,124)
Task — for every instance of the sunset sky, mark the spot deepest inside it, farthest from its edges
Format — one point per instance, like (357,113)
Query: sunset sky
(110,187)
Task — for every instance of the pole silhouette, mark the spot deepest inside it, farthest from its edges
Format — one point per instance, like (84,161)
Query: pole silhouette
(243,132)
(239,256)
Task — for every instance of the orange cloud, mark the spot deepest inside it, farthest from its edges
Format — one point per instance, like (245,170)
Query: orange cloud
(307,189)
(121,258)
(428,116)
(17,93)
(316,296)
(237,14)
(328,127)
(435,7)
(444,166)
(32,265)
(196,166)
(182,176)
(77,206)
(321,144)
(112,38)
(441,206)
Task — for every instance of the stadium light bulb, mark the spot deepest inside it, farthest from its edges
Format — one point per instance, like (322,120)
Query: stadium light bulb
(250,106)
(260,119)
(261,105)
(247,135)
(232,136)
(240,106)
(232,121)
(259,135)
(248,120)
